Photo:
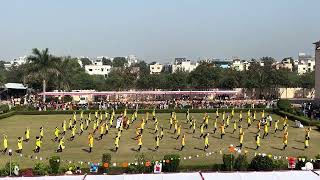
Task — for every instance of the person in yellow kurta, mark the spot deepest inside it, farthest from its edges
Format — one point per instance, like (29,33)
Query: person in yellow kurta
(171,122)
(20,145)
(285,139)
(142,126)
(102,131)
(183,142)
(140,142)
(61,145)
(157,139)
(38,144)
(276,127)
(234,126)
(265,131)
(5,143)
(56,134)
(232,113)
(227,121)
(175,127)
(178,132)
(206,120)
(156,128)
(259,126)
(222,129)
(201,130)
(153,114)
(90,139)
(70,124)
(306,142)
(161,133)
(307,131)
(107,128)
(41,132)
(64,127)
(215,125)
(240,116)
(285,123)
(73,133)
(249,121)
(258,141)
(217,113)
(254,116)
(194,121)
(206,142)
(241,135)
(116,144)
(87,123)
(94,127)
(27,134)
(81,128)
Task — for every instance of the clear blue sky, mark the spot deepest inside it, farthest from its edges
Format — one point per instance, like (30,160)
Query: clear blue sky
(160,29)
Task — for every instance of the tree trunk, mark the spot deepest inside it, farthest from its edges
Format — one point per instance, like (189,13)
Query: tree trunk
(44,90)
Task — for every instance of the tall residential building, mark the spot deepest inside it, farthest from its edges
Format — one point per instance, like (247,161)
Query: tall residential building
(97,68)
(156,68)
(16,62)
(184,65)
(317,76)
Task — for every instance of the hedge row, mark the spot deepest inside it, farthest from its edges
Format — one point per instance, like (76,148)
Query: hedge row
(142,111)
(302,119)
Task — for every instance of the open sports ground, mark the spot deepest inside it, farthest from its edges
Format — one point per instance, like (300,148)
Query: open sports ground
(76,151)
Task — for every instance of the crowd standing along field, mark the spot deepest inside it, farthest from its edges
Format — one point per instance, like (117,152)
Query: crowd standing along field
(77,150)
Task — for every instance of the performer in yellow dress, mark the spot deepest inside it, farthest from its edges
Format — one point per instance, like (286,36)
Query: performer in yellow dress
(206,141)
(90,139)
(140,142)
(5,143)
(183,141)
(27,134)
(258,141)
(285,139)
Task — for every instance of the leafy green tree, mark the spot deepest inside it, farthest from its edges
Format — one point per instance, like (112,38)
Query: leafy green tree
(106,61)
(43,66)
(85,61)
(119,61)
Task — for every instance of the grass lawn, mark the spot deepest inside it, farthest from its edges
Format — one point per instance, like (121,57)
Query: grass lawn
(75,150)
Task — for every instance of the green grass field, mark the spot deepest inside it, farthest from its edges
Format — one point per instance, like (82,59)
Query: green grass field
(75,150)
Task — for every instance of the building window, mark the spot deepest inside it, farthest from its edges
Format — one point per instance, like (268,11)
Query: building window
(101,69)
(90,70)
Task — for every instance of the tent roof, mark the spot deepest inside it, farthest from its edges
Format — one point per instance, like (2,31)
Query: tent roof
(14,86)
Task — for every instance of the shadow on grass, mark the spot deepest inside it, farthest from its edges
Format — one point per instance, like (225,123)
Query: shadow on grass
(276,148)
(299,141)
(298,148)
(85,150)
(199,148)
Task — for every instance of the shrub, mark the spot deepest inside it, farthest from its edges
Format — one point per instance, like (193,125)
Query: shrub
(241,163)
(284,104)
(228,162)
(140,167)
(174,161)
(27,172)
(261,163)
(54,162)
(280,164)
(3,173)
(302,119)
(4,108)
(106,158)
(40,169)
(7,167)
(301,162)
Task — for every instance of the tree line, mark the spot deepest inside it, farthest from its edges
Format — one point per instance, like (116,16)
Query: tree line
(46,71)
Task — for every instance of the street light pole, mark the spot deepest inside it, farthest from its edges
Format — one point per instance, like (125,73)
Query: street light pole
(10,154)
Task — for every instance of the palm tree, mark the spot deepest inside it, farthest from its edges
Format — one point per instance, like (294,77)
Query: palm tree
(42,66)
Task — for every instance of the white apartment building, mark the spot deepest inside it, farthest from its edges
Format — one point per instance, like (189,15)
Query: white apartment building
(97,68)
(132,59)
(156,68)
(239,65)
(183,64)
(306,66)
(16,62)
